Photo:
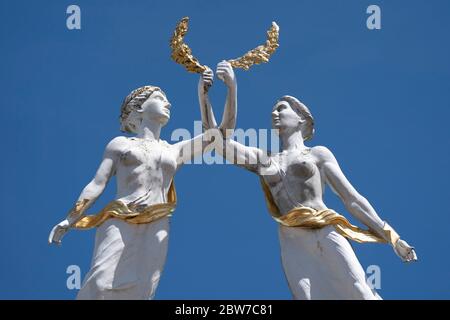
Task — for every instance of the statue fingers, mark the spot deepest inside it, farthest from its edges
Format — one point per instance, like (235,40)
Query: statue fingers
(412,255)
(220,74)
(208,72)
(51,235)
(224,63)
(59,235)
(208,78)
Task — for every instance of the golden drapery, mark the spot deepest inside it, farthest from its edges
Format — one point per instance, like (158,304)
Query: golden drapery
(131,213)
(307,217)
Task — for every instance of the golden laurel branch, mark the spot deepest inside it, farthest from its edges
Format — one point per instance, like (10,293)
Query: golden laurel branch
(261,53)
(182,54)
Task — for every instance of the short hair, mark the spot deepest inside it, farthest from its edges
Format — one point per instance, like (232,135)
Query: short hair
(303,112)
(131,104)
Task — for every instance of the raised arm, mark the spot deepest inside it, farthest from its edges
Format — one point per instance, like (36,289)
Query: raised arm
(91,192)
(187,150)
(250,158)
(226,74)
(357,205)
(207,114)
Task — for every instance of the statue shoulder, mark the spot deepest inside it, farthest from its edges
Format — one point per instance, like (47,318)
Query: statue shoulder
(117,144)
(322,154)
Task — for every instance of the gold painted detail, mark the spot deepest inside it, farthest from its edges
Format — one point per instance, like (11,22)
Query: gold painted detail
(261,53)
(182,54)
(130,213)
(310,218)
(78,209)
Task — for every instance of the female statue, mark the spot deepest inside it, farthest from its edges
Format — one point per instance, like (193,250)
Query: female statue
(318,261)
(132,232)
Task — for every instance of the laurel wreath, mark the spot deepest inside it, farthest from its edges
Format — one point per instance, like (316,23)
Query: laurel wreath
(182,54)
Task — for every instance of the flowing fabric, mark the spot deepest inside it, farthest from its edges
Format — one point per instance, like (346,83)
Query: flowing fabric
(131,213)
(307,217)
(319,263)
(130,250)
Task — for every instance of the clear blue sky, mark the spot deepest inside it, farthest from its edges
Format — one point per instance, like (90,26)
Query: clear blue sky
(381,100)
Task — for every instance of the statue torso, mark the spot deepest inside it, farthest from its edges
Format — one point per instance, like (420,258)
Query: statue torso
(144,171)
(294,179)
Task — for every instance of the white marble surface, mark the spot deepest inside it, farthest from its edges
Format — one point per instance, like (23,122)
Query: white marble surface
(128,259)
(319,264)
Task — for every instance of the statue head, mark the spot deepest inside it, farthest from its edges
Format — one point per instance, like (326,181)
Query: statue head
(289,114)
(148,102)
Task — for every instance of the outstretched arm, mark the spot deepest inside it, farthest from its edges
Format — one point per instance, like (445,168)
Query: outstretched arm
(357,205)
(91,192)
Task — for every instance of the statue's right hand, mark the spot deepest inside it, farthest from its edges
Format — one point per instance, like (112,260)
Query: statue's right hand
(58,232)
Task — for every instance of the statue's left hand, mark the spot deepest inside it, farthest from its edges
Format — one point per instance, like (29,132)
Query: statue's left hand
(405,251)
(225,73)
(58,232)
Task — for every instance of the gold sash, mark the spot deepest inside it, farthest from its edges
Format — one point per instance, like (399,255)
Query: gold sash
(307,217)
(130,214)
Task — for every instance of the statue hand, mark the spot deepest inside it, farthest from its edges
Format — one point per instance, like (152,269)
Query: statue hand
(206,80)
(225,73)
(58,232)
(405,251)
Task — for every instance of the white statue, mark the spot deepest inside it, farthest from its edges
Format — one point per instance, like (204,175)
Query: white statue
(318,261)
(132,231)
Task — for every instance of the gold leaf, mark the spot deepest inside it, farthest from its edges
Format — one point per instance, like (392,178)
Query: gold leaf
(182,54)
(261,53)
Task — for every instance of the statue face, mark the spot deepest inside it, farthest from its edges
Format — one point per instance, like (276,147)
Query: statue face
(156,108)
(284,117)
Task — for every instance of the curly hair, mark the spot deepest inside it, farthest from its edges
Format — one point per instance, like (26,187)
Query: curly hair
(129,111)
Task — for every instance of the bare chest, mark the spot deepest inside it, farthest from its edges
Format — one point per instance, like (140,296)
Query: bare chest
(148,155)
(295,166)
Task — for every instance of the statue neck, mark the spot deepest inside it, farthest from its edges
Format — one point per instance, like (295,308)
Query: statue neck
(149,130)
(291,141)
